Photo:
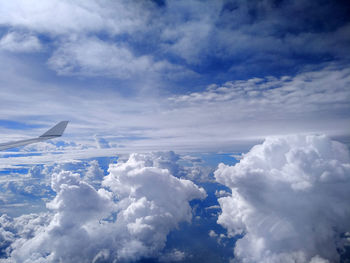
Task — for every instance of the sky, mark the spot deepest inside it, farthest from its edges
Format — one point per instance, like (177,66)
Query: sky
(187,121)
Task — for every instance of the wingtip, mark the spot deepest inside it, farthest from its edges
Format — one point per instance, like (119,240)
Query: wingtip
(57,130)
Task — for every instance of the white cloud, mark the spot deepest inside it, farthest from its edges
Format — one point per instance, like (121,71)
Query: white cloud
(66,17)
(20,42)
(289,198)
(251,33)
(212,233)
(72,31)
(221,193)
(127,220)
(94,174)
(276,105)
(188,40)
(25,226)
(217,119)
(93,57)
(173,256)
(40,147)
(313,88)
(190,30)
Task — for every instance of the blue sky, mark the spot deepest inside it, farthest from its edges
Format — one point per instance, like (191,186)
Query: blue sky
(207,80)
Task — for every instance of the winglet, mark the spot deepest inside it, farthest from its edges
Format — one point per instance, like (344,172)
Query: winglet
(57,130)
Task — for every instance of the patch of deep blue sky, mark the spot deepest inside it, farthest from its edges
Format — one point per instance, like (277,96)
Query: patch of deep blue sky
(194,239)
(289,19)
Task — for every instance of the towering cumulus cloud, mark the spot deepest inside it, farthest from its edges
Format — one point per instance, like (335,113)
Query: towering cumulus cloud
(290,199)
(125,220)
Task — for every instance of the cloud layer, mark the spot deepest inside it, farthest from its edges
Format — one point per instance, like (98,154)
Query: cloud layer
(185,75)
(217,119)
(128,219)
(289,199)
(193,34)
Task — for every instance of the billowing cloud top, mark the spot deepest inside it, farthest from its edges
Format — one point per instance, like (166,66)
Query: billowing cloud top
(290,199)
(126,220)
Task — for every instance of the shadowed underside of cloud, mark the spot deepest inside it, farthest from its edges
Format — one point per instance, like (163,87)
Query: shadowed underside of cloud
(290,199)
(126,220)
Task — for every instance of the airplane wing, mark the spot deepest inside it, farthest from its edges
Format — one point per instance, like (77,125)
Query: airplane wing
(54,132)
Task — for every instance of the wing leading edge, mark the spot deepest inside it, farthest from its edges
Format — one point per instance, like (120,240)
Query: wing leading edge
(54,132)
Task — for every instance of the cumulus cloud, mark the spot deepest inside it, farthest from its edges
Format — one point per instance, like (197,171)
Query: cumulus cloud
(128,219)
(94,174)
(289,199)
(13,230)
(32,189)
